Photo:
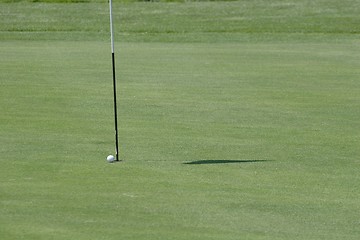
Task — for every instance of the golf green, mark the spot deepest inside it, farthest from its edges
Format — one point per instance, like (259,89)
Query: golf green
(225,133)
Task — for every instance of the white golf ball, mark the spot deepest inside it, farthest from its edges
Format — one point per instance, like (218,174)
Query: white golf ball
(110,158)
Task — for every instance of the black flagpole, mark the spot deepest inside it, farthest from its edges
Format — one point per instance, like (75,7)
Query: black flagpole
(114,83)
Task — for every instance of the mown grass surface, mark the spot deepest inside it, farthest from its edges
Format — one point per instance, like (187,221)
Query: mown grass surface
(229,129)
(179,22)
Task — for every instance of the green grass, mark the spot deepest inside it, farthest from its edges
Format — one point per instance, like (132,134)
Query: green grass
(238,120)
(182,22)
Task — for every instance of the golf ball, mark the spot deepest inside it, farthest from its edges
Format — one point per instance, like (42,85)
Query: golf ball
(110,158)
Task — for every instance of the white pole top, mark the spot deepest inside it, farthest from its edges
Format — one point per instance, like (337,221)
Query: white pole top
(111,27)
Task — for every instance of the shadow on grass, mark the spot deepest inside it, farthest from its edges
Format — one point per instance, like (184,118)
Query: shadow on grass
(199,162)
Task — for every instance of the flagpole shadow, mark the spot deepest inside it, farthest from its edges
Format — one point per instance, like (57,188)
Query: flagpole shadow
(213,161)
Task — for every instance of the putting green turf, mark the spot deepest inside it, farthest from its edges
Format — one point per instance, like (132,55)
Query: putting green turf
(248,136)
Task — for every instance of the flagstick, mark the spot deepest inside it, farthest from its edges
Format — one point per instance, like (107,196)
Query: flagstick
(114,82)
